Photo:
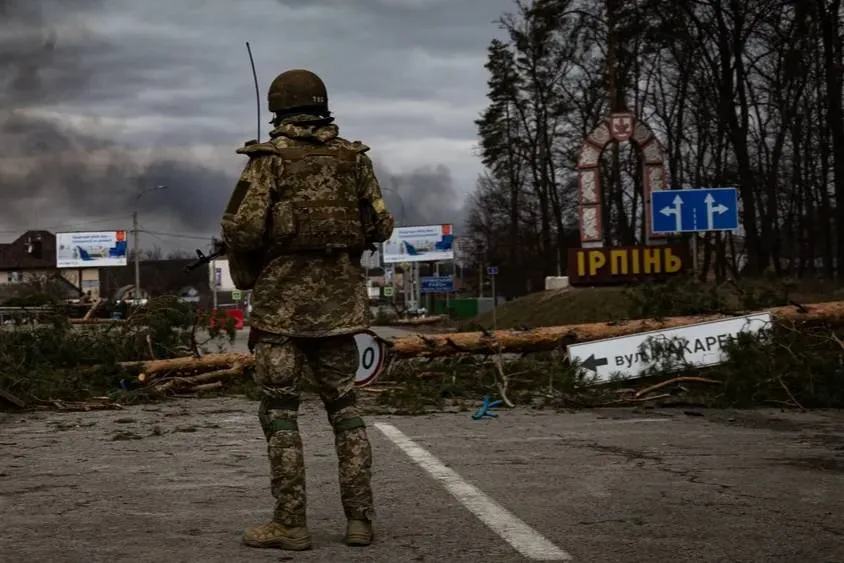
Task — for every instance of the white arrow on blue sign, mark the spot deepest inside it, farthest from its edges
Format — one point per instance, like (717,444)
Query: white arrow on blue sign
(694,210)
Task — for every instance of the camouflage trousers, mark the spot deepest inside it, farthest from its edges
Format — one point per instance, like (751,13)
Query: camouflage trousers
(279,371)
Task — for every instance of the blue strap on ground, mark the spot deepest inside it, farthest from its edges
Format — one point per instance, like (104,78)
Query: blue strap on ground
(484,410)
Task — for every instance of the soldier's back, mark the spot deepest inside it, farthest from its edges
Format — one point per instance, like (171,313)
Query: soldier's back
(312,293)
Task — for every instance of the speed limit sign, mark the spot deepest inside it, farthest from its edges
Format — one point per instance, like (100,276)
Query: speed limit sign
(372,355)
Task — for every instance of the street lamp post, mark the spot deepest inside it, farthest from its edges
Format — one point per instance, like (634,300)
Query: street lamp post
(135,247)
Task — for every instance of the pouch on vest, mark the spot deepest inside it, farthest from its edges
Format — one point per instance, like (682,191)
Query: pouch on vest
(244,267)
(319,201)
(283,222)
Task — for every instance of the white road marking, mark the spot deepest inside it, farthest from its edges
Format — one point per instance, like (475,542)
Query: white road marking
(508,526)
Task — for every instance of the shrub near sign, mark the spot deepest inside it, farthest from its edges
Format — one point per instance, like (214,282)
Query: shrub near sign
(590,266)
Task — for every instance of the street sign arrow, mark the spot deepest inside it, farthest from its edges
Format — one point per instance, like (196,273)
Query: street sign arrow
(592,363)
(712,210)
(677,211)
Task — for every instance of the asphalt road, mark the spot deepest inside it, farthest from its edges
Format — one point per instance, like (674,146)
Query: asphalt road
(177,482)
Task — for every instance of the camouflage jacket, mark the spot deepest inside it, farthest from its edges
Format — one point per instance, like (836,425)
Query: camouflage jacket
(304,295)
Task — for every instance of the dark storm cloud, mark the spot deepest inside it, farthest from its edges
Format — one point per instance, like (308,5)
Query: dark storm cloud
(121,95)
(46,57)
(425,196)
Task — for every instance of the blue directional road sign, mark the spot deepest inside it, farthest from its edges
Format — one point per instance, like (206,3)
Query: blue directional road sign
(436,284)
(492,271)
(695,210)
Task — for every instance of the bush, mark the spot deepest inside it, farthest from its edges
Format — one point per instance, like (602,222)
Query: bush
(687,296)
(57,360)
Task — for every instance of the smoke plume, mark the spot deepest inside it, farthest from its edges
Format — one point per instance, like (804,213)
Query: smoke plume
(56,171)
(53,173)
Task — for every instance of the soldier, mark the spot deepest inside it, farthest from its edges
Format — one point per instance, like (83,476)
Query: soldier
(294,233)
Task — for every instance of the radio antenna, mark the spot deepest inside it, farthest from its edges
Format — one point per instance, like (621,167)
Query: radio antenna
(257,93)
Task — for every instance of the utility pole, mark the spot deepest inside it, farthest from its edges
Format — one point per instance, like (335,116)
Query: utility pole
(135,246)
(135,229)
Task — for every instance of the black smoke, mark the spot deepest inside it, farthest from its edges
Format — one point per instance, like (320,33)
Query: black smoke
(425,196)
(53,173)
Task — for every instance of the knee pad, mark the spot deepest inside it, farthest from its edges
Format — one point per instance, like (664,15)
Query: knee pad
(343,423)
(271,422)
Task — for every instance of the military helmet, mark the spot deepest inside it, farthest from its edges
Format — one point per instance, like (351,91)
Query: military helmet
(297,89)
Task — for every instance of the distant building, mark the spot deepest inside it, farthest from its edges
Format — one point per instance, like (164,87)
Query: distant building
(32,256)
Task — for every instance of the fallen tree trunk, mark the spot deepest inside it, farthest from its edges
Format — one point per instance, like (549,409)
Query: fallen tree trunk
(151,368)
(548,338)
(506,341)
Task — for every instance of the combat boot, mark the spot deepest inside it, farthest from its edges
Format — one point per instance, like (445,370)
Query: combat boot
(359,533)
(278,536)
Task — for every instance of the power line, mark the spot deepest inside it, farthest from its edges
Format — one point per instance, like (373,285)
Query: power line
(178,235)
(67,226)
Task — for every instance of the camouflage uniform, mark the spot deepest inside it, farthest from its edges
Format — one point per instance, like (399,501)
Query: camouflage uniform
(306,307)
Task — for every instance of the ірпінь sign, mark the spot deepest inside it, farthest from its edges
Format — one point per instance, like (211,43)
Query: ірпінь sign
(603,266)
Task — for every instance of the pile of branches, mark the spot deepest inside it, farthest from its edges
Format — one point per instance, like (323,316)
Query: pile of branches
(192,374)
(59,361)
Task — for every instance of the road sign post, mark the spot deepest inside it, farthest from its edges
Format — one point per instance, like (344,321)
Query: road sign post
(694,210)
(492,272)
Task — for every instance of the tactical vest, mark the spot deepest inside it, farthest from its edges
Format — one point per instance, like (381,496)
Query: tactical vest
(316,208)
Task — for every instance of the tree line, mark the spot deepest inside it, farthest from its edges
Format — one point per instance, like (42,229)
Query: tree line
(744,93)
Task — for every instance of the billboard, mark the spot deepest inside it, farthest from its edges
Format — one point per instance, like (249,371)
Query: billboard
(428,243)
(91,249)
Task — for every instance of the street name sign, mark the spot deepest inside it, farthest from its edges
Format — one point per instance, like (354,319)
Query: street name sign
(436,284)
(694,210)
(696,345)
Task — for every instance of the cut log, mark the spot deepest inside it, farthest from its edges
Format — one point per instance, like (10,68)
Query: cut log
(179,382)
(206,387)
(93,308)
(548,338)
(188,363)
(11,399)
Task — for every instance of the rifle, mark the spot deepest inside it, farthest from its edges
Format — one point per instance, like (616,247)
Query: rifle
(202,259)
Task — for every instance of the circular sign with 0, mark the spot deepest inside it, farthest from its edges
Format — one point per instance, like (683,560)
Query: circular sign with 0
(372,355)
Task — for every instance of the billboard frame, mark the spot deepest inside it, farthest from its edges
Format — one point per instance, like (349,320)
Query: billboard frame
(445,229)
(78,263)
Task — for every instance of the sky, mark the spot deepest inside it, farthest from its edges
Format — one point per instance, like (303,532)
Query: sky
(101,100)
